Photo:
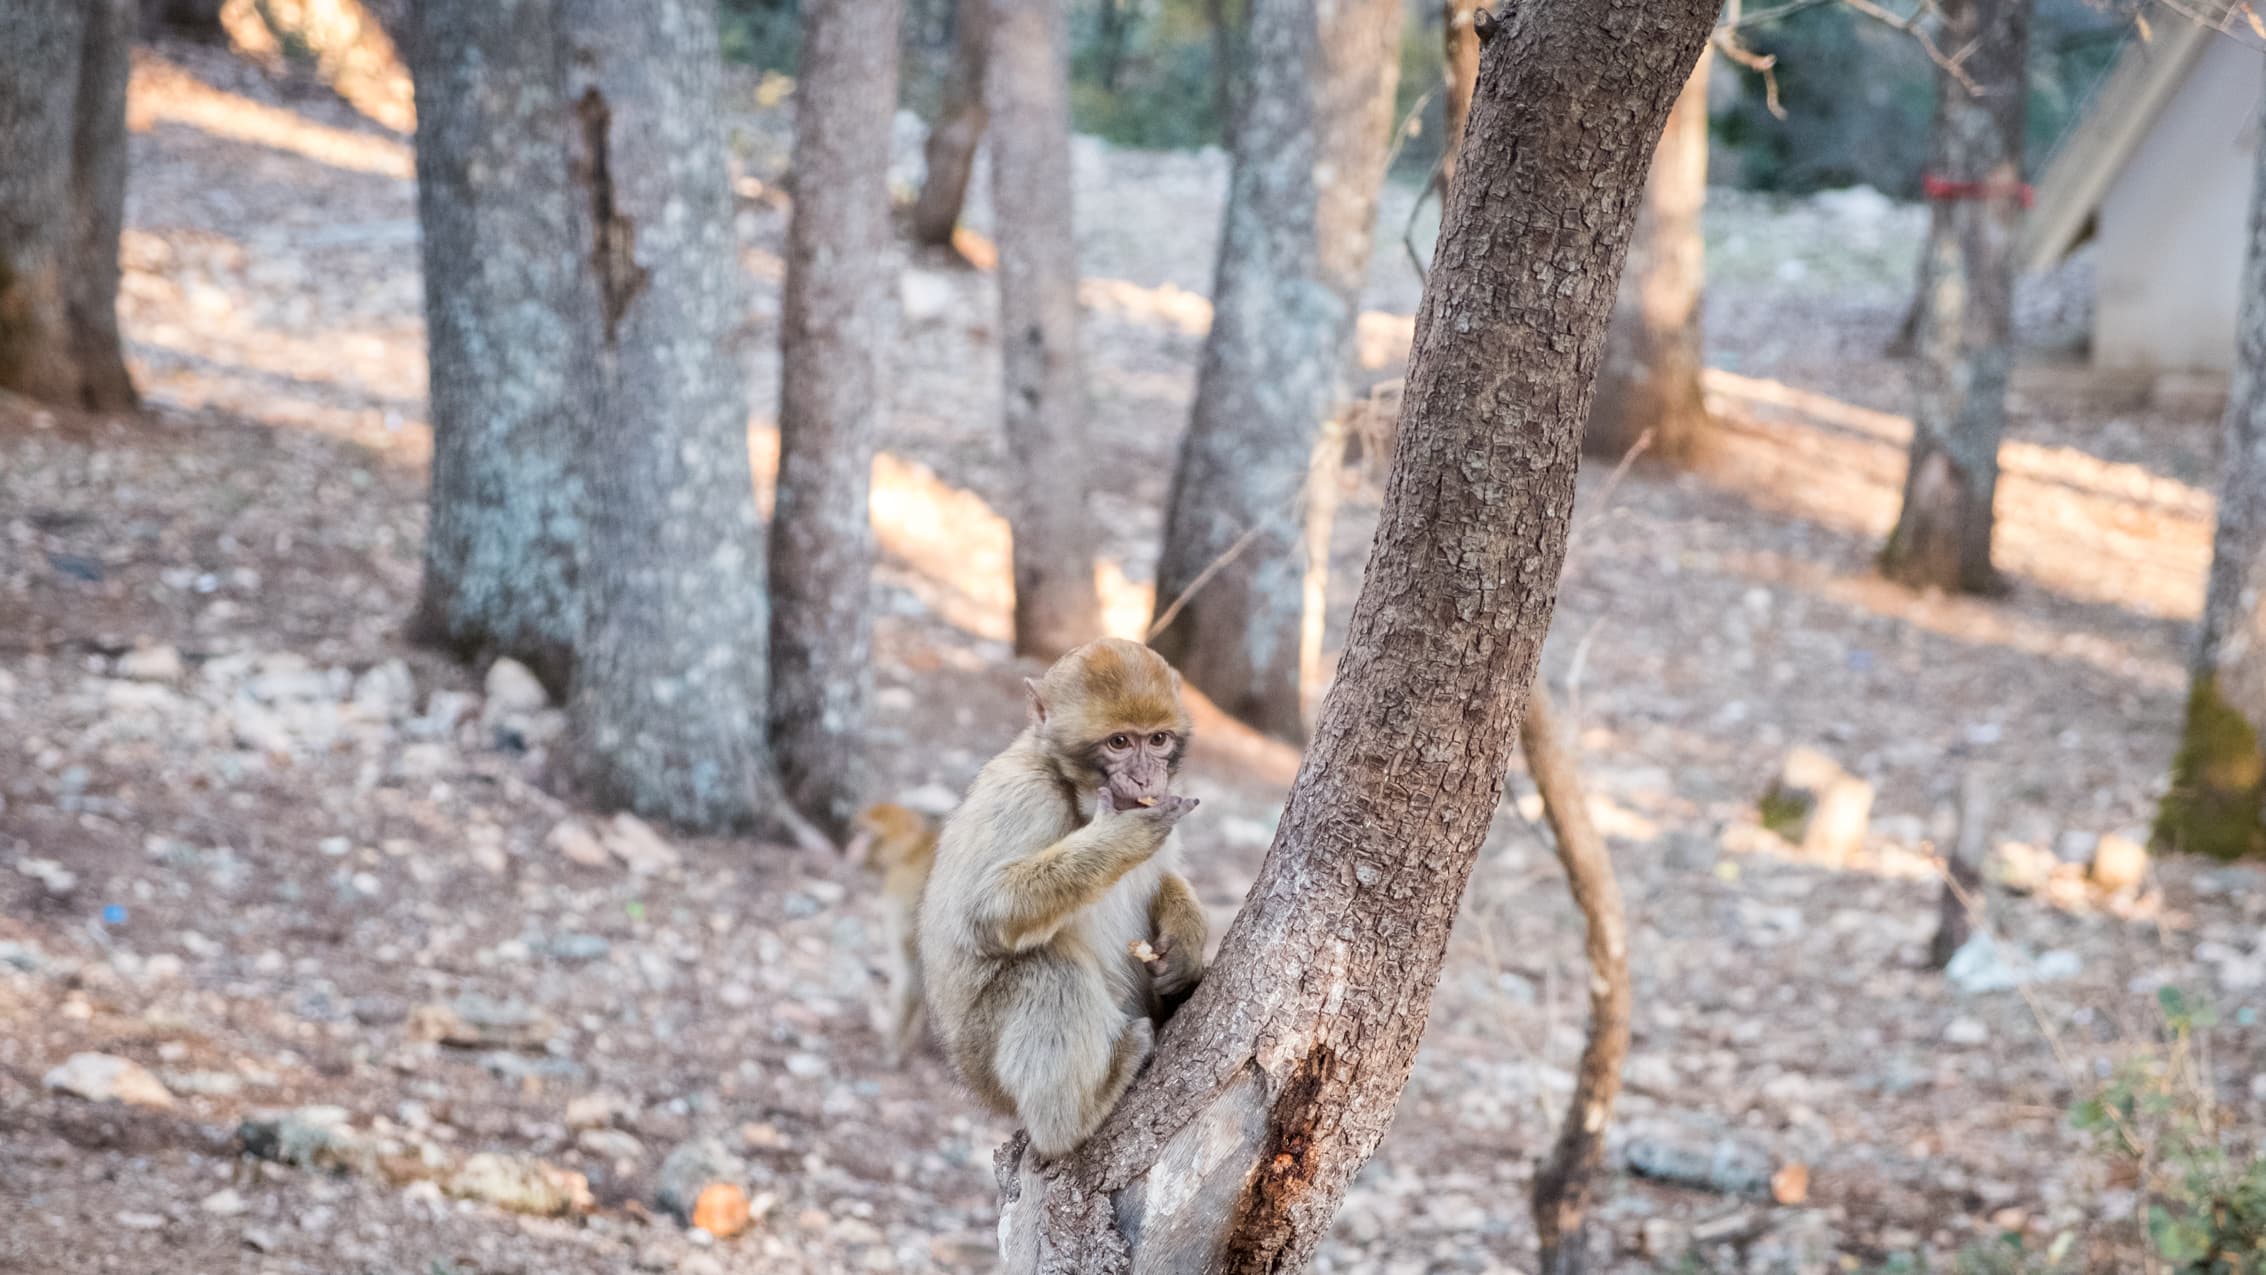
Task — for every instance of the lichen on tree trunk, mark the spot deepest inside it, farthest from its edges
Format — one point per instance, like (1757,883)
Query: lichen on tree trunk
(1027,88)
(1278,1079)
(1309,138)
(504,292)
(1653,355)
(837,328)
(670,690)
(1965,337)
(2217,800)
(63,71)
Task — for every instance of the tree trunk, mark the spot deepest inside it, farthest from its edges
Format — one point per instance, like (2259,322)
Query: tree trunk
(951,147)
(1961,903)
(837,329)
(1309,140)
(1965,342)
(1027,87)
(1224,19)
(1459,71)
(504,295)
(63,70)
(1562,1187)
(1653,359)
(2217,801)
(670,691)
(1276,1081)
(196,19)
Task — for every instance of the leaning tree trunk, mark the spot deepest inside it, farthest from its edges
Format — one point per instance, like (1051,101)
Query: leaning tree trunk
(1562,1188)
(1027,87)
(2217,801)
(670,680)
(504,294)
(63,71)
(836,333)
(1276,1081)
(951,148)
(1965,340)
(1651,377)
(1309,139)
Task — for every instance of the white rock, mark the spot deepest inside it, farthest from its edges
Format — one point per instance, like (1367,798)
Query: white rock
(150,664)
(226,1202)
(108,1078)
(1965,1031)
(641,850)
(926,295)
(576,843)
(386,692)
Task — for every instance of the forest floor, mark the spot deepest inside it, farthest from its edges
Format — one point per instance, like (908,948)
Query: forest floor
(253,841)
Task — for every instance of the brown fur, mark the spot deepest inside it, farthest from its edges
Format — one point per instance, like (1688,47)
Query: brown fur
(901,843)
(1045,877)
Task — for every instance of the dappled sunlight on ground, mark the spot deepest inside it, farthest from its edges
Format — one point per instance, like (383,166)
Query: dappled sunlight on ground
(163,93)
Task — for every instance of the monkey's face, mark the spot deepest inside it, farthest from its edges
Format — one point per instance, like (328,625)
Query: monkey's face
(1109,713)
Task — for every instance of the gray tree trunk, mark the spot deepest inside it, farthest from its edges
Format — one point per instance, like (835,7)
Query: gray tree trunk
(1275,1082)
(505,297)
(2217,801)
(63,71)
(837,332)
(1653,357)
(1309,139)
(959,127)
(670,694)
(1965,339)
(1027,87)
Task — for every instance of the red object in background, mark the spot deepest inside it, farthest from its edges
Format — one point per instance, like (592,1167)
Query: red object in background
(1935,187)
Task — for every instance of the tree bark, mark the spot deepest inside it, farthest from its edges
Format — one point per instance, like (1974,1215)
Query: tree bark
(2217,801)
(670,691)
(1960,905)
(197,19)
(1562,1187)
(1309,140)
(1027,86)
(1276,1081)
(837,328)
(63,71)
(1653,359)
(1459,68)
(1965,341)
(959,127)
(505,293)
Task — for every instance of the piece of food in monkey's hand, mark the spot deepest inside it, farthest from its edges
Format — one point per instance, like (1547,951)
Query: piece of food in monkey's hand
(1142,952)
(1146,801)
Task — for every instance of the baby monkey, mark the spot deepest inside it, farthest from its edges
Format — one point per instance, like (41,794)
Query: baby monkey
(1054,934)
(901,843)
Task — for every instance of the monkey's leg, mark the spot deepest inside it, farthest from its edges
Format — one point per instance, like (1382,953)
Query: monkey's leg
(904,1009)
(1178,920)
(1038,893)
(1066,1053)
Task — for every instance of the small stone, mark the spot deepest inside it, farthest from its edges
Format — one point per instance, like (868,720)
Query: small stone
(641,850)
(521,1185)
(511,687)
(307,1138)
(2119,863)
(721,1210)
(150,664)
(386,692)
(609,1145)
(925,295)
(1791,1184)
(1965,1031)
(690,1170)
(109,1078)
(141,1221)
(577,844)
(473,1021)
(591,1111)
(226,1202)
(259,1239)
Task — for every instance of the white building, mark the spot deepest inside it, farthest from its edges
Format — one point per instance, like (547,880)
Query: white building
(2158,174)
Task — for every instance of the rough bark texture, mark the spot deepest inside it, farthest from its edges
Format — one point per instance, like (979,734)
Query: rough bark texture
(2217,801)
(1459,69)
(1965,341)
(952,140)
(837,328)
(1276,1081)
(1309,139)
(1027,86)
(670,688)
(1653,359)
(505,291)
(63,69)
(1562,1187)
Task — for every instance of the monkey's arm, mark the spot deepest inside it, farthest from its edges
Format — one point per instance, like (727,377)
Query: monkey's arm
(1177,920)
(1038,892)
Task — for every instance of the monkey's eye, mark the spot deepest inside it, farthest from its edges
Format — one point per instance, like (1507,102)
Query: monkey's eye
(1162,739)
(1119,743)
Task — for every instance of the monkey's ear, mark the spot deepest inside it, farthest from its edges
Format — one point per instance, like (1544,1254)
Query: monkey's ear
(1038,702)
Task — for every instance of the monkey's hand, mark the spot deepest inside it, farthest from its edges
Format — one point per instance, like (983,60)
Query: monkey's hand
(1175,969)
(1161,816)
